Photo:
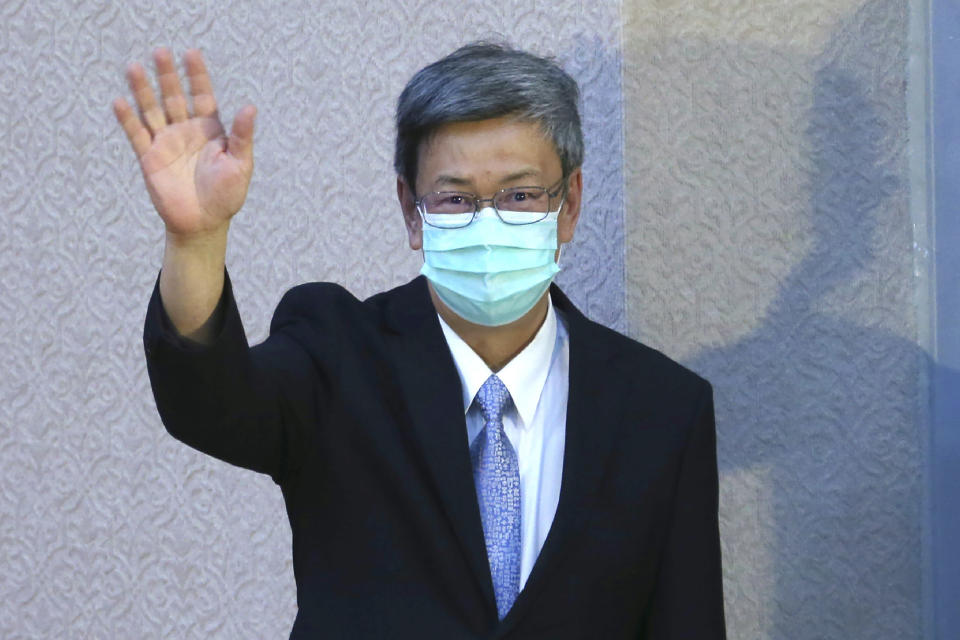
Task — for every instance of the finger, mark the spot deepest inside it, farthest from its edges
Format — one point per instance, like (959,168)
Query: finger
(137,134)
(204,103)
(145,98)
(240,143)
(174,102)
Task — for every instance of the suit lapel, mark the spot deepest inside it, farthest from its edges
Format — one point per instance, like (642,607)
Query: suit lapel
(594,409)
(434,399)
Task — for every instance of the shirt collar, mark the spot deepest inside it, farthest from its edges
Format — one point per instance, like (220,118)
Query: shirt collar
(524,376)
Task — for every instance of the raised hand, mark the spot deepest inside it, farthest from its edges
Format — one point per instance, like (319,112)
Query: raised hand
(196,175)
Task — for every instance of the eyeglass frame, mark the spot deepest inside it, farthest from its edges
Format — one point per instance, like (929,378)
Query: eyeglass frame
(557,187)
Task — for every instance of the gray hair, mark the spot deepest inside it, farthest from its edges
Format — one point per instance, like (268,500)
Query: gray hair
(481,81)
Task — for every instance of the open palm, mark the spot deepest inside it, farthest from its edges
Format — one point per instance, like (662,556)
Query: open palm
(197,177)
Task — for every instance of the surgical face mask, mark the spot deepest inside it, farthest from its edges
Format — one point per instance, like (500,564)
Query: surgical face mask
(490,272)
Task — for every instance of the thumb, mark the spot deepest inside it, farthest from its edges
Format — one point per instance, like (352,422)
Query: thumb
(240,143)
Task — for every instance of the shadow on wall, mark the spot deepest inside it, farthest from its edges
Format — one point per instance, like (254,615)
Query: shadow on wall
(826,400)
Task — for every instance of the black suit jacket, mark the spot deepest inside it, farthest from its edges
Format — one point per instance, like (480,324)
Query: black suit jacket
(354,408)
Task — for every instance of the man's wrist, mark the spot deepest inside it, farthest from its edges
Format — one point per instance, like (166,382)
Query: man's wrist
(199,241)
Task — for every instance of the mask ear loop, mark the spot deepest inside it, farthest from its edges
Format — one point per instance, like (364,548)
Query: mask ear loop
(563,201)
(423,224)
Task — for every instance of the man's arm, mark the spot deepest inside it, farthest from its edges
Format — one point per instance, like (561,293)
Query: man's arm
(687,600)
(213,392)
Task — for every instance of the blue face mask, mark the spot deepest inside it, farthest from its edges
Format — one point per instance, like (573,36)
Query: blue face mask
(491,273)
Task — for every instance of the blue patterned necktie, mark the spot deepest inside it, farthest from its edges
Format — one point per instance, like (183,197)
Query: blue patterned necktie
(497,477)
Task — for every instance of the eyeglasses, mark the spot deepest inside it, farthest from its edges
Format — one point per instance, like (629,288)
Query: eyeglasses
(516,205)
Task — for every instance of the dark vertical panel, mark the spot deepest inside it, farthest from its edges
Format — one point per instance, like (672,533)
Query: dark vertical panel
(945,440)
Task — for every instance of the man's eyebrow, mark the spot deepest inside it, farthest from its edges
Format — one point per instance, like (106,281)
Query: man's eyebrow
(457,181)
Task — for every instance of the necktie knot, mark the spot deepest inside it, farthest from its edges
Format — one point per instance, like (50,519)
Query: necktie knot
(492,398)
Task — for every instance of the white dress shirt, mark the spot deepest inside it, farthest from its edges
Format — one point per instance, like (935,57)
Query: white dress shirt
(535,423)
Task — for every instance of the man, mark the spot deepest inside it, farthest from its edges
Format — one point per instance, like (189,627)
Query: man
(465,456)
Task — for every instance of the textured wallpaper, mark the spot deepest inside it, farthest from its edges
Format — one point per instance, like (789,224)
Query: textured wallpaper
(109,528)
(769,247)
(746,211)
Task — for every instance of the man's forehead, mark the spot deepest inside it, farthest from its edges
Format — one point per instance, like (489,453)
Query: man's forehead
(496,150)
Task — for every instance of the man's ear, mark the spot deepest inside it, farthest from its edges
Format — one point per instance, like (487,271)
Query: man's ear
(411,217)
(570,213)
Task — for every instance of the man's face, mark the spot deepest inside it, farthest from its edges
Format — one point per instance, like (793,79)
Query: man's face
(483,157)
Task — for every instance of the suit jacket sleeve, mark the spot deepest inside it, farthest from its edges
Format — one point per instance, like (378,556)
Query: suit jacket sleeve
(687,601)
(246,406)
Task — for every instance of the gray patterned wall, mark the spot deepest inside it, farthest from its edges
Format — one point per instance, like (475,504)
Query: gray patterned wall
(108,527)
(764,233)
(769,246)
